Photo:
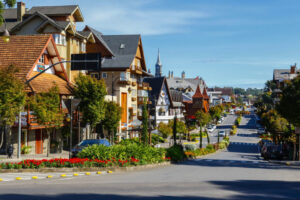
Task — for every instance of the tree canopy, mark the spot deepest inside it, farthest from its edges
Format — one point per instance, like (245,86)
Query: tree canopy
(12,95)
(91,92)
(112,116)
(289,106)
(3,4)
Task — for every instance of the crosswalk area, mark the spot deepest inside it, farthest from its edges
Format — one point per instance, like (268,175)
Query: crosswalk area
(8,177)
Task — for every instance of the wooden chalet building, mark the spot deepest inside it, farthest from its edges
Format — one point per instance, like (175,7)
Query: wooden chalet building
(200,101)
(31,54)
(123,70)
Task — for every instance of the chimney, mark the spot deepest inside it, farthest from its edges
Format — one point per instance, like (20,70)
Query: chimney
(171,74)
(183,75)
(293,69)
(20,11)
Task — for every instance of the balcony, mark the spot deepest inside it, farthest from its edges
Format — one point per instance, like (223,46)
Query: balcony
(124,80)
(144,86)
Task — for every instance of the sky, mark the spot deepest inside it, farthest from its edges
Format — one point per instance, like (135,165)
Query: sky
(234,43)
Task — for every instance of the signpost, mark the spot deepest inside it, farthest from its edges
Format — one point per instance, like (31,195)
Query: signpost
(71,105)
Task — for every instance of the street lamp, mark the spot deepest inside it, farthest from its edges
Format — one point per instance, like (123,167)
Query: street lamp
(6,34)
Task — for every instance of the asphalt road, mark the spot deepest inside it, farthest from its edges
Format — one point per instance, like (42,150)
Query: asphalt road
(237,173)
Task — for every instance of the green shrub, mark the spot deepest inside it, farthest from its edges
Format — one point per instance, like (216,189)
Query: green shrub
(130,141)
(209,147)
(176,153)
(146,154)
(156,139)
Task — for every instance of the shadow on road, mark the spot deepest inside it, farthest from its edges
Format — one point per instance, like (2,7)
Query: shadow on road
(245,189)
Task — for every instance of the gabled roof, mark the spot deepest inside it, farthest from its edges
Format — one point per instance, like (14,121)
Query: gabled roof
(124,48)
(9,26)
(156,83)
(198,93)
(23,51)
(61,25)
(58,11)
(99,35)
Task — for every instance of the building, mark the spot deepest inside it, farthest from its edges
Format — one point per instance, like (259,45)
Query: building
(60,21)
(280,77)
(220,95)
(166,103)
(31,54)
(200,102)
(123,70)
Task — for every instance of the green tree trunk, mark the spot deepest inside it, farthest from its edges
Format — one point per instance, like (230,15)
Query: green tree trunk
(200,137)
(208,139)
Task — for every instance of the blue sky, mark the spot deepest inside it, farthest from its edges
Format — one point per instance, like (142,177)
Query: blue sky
(226,42)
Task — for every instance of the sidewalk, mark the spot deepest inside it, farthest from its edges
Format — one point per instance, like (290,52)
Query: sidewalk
(4,159)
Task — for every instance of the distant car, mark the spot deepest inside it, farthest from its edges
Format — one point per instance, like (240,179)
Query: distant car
(222,133)
(261,131)
(85,143)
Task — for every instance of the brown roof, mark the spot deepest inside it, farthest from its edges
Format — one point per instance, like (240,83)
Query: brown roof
(198,93)
(22,52)
(45,81)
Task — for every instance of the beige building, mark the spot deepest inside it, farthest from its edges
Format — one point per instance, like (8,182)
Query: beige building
(123,69)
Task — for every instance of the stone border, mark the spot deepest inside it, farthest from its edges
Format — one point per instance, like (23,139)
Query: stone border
(85,169)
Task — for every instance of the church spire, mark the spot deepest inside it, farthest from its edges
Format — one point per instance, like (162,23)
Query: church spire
(158,66)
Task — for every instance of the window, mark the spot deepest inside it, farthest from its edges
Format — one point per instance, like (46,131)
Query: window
(123,76)
(104,75)
(95,75)
(83,47)
(138,64)
(60,39)
(122,46)
(42,59)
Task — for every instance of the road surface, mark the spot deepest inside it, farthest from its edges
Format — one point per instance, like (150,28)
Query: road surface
(237,173)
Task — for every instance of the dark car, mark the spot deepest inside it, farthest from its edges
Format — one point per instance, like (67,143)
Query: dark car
(85,143)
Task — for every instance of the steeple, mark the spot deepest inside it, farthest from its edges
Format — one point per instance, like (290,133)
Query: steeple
(158,66)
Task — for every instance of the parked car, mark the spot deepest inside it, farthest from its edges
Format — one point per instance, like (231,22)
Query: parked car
(261,131)
(85,143)
(222,133)
(271,151)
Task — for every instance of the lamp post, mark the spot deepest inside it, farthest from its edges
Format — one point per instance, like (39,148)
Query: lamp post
(6,34)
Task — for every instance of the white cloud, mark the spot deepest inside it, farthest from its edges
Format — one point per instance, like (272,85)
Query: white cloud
(145,17)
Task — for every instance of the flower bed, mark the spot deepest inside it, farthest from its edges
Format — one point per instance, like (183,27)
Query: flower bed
(71,163)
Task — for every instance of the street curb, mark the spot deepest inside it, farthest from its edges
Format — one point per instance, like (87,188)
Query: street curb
(287,163)
(88,169)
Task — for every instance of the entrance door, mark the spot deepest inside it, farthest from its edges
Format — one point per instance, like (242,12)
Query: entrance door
(124,107)
(38,141)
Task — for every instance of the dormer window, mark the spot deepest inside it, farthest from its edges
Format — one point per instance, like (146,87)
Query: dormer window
(122,46)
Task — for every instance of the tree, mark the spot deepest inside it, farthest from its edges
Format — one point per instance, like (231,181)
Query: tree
(144,136)
(46,107)
(8,3)
(91,92)
(164,129)
(202,120)
(180,126)
(12,98)
(289,106)
(215,113)
(112,118)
